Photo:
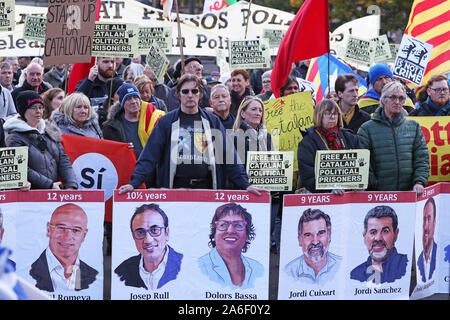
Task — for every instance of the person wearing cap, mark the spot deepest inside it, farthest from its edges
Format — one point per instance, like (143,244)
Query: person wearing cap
(379,76)
(192,65)
(47,160)
(131,120)
(181,152)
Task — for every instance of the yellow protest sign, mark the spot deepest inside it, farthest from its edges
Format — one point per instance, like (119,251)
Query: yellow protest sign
(437,135)
(285,117)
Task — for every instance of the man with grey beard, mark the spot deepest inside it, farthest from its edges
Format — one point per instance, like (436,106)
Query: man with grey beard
(317,265)
(384,264)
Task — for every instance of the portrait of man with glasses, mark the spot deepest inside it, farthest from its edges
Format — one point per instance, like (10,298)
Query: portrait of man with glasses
(157,263)
(59,267)
(231,233)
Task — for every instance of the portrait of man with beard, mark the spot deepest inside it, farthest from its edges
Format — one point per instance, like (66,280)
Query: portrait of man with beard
(317,265)
(384,263)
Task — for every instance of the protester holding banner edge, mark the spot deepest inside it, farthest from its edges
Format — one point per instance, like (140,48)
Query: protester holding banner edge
(327,133)
(398,151)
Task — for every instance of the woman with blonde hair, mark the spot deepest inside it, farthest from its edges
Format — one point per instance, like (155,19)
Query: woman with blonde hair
(327,133)
(76,116)
(249,128)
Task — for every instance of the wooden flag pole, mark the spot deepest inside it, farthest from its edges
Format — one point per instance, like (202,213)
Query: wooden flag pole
(246,25)
(180,39)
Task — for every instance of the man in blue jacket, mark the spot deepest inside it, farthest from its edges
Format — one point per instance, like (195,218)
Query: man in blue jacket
(188,149)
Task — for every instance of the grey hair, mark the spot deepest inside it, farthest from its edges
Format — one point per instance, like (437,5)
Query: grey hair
(219,86)
(389,88)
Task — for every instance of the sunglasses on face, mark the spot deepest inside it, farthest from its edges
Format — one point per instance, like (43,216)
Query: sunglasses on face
(186,91)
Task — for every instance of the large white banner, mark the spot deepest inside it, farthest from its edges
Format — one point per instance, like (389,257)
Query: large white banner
(59,240)
(357,246)
(190,244)
(202,34)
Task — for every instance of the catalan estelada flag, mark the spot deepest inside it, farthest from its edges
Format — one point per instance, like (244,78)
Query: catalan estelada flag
(429,21)
(318,74)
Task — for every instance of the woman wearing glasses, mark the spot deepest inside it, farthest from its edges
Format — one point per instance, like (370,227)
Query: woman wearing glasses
(327,133)
(47,160)
(231,233)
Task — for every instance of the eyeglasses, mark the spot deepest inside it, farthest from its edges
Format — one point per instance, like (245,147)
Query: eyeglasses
(266,81)
(186,91)
(153,231)
(399,98)
(76,232)
(237,225)
(194,67)
(440,90)
(330,114)
(37,108)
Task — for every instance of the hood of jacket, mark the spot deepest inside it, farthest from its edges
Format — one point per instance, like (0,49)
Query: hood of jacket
(114,111)
(16,124)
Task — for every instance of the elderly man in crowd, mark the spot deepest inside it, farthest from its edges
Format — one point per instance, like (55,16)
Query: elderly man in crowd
(220,102)
(438,102)
(398,151)
(34,76)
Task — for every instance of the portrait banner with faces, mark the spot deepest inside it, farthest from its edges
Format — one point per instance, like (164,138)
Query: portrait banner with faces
(8,208)
(177,244)
(432,242)
(59,241)
(355,247)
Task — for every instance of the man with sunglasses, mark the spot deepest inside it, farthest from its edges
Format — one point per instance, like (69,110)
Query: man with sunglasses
(181,152)
(157,263)
(438,101)
(59,268)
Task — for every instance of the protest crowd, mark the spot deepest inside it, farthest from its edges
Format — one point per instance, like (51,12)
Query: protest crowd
(120,99)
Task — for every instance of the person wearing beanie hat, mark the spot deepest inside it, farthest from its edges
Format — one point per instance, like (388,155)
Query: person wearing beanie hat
(379,75)
(49,167)
(131,120)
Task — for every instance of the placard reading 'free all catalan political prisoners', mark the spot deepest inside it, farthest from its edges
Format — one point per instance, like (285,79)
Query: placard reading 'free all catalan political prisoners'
(13,167)
(35,28)
(148,35)
(7,14)
(342,169)
(271,170)
(116,40)
(249,54)
(189,239)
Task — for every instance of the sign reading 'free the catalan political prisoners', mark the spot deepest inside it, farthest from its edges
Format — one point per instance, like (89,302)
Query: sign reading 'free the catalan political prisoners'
(70,26)
(342,169)
(271,170)
(7,22)
(115,40)
(148,35)
(13,167)
(412,59)
(249,54)
(34,28)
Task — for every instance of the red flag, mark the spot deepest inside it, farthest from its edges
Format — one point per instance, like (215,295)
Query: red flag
(307,37)
(100,164)
(80,71)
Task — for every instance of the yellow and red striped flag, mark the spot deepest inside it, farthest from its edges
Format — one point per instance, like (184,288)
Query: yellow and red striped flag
(429,21)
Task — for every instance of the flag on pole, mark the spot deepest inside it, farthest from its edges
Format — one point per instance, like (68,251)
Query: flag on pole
(429,21)
(167,8)
(100,164)
(80,71)
(318,74)
(307,37)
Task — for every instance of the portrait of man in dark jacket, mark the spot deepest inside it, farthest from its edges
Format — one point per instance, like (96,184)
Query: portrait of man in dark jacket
(157,263)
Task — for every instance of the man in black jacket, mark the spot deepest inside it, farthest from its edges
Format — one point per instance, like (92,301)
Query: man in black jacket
(34,76)
(346,87)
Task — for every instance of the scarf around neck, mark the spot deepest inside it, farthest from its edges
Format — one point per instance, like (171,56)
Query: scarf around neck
(331,137)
